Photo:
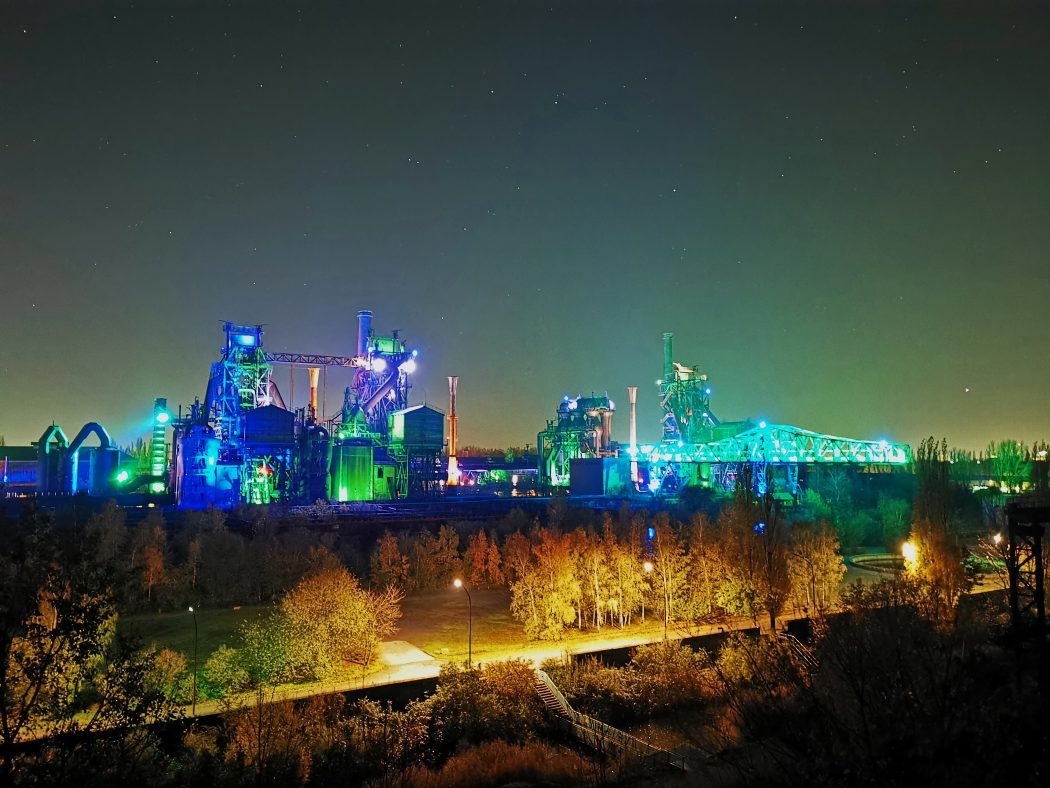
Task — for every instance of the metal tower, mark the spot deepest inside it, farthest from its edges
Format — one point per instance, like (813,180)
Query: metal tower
(685,397)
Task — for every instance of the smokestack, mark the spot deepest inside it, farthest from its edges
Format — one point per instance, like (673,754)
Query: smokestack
(315,373)
(606,431)
(364,329)
(632,396)
(453,432)
(668,357)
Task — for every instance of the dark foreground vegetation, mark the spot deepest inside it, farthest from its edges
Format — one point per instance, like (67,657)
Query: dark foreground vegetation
(904,682)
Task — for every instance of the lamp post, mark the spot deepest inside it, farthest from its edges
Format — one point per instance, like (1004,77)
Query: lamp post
(470,621)
(194,614)
(649,567)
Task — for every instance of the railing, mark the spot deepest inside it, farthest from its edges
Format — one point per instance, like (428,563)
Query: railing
(600,736)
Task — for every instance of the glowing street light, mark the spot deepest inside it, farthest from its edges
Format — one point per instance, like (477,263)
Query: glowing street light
(998,538)
(194,614)
(910,551)
(470,621)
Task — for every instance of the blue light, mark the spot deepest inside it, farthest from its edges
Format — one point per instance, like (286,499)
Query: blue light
(246,340)
(415,353)
(761,425)
(162,417)
(652,531)
(707,391)
(760,528)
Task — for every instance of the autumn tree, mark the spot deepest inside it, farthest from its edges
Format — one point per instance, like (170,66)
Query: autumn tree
(668,558)
(389,565)
(937,562)
(333,622)
(815,566)
(482,561)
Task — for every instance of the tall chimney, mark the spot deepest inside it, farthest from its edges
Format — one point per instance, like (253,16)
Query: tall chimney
(453,432)
(315,373)
(632,396)
(364,328)
(668,357)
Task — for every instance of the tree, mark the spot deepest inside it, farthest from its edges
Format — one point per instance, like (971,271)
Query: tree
(61,672)
(389,565)
(669,565)
(937,561)
(895,516)
(333,622)
(815,566)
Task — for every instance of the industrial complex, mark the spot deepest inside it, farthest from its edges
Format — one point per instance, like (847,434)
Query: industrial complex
(242,444)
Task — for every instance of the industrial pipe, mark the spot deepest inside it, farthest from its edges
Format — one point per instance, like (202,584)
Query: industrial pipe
(668,357)
(453,432)
(364,330)
(632,396)
(315,373)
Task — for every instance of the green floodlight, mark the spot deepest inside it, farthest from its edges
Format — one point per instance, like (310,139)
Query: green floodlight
(122,477)
(163,417)
(157,487)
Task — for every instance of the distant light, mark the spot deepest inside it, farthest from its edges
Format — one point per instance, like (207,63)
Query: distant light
(910,551)
(514,479)
(612,405)
(997,538)
(157,487)
(191,608)
(761,425)
(659,383)
(247,340)
(415,353)
(760,528)
(573,403)
(163,417)
(409,366)
(378,364)
(652,533)
(123,476)
(648,566)
(707,391)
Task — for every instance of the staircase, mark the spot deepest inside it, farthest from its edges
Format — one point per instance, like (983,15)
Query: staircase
(596,734)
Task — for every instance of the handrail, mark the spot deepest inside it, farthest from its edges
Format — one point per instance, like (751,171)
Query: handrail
(585,727)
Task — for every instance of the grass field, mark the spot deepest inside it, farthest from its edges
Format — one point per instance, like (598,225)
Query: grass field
(175,630)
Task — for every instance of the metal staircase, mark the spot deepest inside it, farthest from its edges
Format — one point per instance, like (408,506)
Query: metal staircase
(599,736)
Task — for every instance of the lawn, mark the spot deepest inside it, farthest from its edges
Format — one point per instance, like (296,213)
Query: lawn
(175,630)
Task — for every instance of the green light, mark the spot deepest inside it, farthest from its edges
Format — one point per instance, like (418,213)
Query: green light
(157,487)
(122,477)
(162,417)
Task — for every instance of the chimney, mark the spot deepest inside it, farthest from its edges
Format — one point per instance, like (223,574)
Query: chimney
(632,396)
(315,373)
(453,432)
(668,358)
(364,330)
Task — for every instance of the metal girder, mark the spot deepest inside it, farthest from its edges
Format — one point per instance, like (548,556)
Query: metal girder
(781,444)
(313,360)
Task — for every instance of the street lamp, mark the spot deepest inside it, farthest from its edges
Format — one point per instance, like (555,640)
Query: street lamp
(194,614)
(470,621)
(648,567)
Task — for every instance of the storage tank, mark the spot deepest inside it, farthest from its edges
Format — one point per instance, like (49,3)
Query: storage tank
(351,477)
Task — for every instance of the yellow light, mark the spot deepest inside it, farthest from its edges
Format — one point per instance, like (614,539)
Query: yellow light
(910,551)
(457,583)
(648,566)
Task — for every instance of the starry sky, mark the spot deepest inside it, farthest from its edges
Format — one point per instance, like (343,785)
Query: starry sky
(842,210)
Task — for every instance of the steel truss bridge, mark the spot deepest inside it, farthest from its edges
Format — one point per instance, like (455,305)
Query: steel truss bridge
(780,444)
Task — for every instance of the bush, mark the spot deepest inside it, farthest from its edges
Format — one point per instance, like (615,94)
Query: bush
(499,763)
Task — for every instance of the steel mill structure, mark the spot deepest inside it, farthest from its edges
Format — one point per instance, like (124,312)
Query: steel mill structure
(245,443)
(697,448)
(249,442)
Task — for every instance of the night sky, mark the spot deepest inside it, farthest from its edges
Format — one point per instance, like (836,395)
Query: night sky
(842,213)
